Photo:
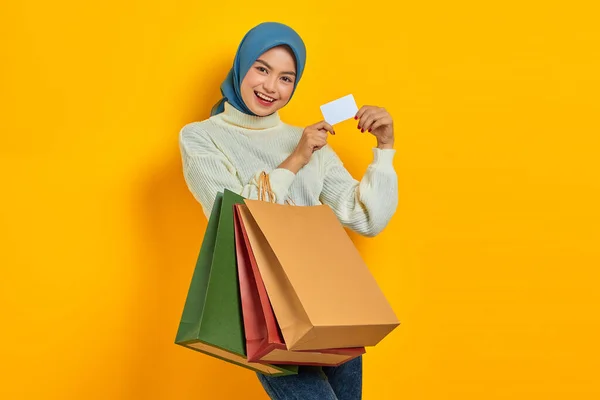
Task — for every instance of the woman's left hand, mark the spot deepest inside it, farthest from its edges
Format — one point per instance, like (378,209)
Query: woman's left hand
(379,123)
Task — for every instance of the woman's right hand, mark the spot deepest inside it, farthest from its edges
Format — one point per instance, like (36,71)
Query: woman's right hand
(313,138)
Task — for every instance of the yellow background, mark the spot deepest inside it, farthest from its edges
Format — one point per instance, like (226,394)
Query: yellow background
(491,261)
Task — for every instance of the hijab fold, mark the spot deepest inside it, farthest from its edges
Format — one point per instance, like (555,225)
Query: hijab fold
(258,40)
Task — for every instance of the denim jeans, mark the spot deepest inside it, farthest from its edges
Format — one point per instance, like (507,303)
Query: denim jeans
(317,383)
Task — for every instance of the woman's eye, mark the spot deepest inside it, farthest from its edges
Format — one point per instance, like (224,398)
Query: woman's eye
(261,69)
(287,79)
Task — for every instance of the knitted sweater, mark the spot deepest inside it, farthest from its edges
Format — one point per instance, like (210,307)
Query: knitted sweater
(231,149)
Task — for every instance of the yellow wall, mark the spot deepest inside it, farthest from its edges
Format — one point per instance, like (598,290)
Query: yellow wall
(491,261)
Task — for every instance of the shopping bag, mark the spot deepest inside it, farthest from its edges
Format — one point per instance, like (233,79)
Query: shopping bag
(264,342)
(322,293)
(211,322)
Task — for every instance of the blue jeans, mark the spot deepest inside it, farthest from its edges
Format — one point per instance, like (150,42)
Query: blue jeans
(317,383)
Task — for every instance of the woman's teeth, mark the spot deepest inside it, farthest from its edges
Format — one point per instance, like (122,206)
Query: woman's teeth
(263,97)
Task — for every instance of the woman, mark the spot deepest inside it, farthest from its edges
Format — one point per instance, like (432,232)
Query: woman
(246,148)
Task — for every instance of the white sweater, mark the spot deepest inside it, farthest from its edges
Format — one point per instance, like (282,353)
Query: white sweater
(231,149)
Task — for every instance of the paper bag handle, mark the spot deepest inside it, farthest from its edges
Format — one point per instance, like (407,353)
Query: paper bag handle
(264,190)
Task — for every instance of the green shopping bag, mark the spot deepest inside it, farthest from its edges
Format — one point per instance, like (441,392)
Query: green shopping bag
(212,322)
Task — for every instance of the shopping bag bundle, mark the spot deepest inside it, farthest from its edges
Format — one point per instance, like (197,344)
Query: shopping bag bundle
(277,286)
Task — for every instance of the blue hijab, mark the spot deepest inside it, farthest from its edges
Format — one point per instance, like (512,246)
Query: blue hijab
(259,39)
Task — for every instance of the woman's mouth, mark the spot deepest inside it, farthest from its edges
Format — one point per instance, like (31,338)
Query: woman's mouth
(263,100)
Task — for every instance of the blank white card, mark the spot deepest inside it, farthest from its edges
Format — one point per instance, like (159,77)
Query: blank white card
(339,110)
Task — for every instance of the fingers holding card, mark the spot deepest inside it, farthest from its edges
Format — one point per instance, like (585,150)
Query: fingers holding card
(373,119)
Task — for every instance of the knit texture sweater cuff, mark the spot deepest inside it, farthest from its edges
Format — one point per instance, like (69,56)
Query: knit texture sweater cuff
(281,179)
(383,158)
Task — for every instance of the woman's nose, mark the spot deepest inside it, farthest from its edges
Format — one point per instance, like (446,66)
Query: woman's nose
(269,85)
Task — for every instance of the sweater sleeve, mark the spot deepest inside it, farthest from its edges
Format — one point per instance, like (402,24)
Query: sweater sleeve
(207,171)
(367,206)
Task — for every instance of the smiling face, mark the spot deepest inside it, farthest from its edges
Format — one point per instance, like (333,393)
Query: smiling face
(269,83)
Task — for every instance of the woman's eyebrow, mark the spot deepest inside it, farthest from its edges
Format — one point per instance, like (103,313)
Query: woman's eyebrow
(268,66)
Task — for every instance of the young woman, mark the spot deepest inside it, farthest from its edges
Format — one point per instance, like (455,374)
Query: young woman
(246,148)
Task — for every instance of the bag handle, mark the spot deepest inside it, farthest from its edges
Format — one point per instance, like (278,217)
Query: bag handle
(264,190)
